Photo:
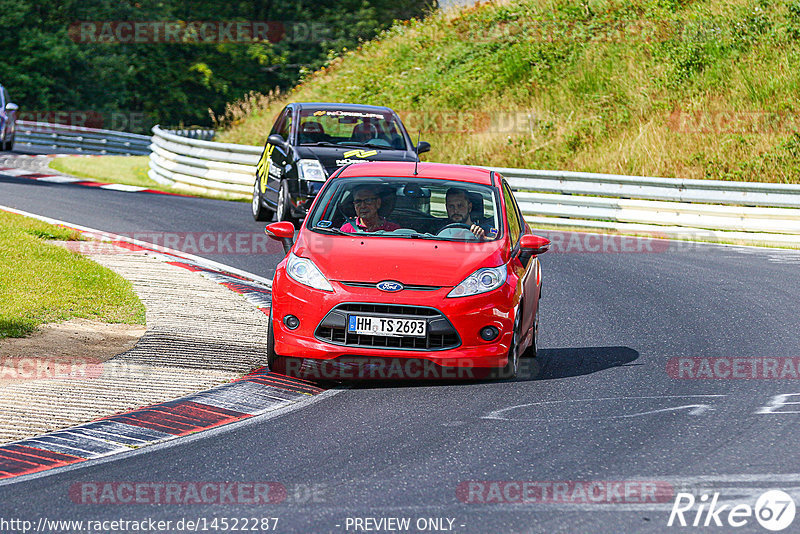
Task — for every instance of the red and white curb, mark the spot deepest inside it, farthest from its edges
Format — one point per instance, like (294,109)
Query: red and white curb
(62,179)
(256,393)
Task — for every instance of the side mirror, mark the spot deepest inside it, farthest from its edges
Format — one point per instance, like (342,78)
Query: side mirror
(11,107)
(281,231)
(277,140)
(532,245)
(423,146)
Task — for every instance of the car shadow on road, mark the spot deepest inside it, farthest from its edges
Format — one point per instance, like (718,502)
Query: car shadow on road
(550,364)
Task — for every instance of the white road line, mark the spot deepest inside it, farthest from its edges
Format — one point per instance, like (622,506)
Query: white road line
(17,172)
(123,187)
(59,179)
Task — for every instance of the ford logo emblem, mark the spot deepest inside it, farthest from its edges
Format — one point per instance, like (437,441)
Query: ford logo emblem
(390,286)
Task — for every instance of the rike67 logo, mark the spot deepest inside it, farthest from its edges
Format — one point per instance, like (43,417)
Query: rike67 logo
(774,510)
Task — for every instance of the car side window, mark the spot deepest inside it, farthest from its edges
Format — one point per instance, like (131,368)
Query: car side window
(283,126)
(286,129)
(512,214)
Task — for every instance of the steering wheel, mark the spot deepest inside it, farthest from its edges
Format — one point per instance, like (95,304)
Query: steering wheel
(454,225)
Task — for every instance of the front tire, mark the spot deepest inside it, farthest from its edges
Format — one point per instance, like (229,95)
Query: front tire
(275,363)
(260,213)
(511,368)
(530,352)
(284,212)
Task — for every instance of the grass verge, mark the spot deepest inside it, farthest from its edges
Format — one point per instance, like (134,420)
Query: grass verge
(128,170)
(673,88)
(41,282)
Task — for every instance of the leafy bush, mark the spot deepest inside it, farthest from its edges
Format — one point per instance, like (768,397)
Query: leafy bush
(599,81)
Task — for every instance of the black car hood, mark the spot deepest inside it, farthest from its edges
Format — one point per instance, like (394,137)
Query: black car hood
(334,157)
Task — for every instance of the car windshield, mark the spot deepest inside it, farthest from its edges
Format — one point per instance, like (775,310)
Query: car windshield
(350,128)
(412,208)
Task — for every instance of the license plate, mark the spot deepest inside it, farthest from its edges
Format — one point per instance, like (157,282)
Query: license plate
(386,326)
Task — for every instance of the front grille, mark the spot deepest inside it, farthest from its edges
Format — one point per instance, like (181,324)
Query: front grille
(406,287)
(392,309)
(440,333)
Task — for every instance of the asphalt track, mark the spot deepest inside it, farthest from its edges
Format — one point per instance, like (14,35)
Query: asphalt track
(598,405)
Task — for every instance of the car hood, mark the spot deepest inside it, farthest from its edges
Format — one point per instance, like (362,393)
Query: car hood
(332,157)
(409,261)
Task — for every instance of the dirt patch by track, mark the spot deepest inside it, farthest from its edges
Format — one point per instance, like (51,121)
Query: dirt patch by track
(77,338)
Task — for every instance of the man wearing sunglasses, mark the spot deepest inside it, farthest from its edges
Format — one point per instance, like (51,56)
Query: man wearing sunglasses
(367,203)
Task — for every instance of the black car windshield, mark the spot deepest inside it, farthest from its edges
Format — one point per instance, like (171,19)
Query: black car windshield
(350,128)
(413,208)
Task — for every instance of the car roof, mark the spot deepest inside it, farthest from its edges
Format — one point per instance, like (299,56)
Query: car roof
(340,106)
(405,169)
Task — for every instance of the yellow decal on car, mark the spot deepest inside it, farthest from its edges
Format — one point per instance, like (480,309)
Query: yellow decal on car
(263,166)
(360,153)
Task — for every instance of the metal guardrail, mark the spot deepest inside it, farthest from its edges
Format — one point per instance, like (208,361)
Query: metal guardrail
(194,133)
(712,210)
(206,166)
(706,209)
(649,188)
(44,136)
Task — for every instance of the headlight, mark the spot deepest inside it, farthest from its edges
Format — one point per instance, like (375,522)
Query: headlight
(304,271)
(311,170)
(481,281)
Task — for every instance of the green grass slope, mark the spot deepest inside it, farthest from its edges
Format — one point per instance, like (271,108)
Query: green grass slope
(41,282)
(703,89)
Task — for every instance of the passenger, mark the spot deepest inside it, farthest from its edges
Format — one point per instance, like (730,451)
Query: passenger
(459,210)
(367,203)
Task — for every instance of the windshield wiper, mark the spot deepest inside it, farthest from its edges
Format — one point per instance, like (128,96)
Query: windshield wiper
(334,231)
(368,144)
(416,235)
(421,236)
(322,143)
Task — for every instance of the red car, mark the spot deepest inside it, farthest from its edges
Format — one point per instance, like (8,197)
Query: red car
(409,271)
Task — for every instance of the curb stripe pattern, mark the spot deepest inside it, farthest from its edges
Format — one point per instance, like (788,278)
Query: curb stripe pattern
(60,179)
(20,460)
(258,392)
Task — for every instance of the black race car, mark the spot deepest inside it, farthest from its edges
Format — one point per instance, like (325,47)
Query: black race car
(309,141)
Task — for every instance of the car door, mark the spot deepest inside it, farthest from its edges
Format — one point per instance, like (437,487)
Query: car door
(528,271)
(272,164)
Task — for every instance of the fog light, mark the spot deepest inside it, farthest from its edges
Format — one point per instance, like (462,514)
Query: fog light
(488,333)
(291,322)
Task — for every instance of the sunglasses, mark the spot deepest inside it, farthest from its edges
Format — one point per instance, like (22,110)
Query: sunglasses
(370,200)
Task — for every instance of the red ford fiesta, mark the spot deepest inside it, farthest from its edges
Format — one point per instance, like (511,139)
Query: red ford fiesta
(407,271)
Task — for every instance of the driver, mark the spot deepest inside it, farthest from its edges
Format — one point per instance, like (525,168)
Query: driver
(367,203)
(459,209)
